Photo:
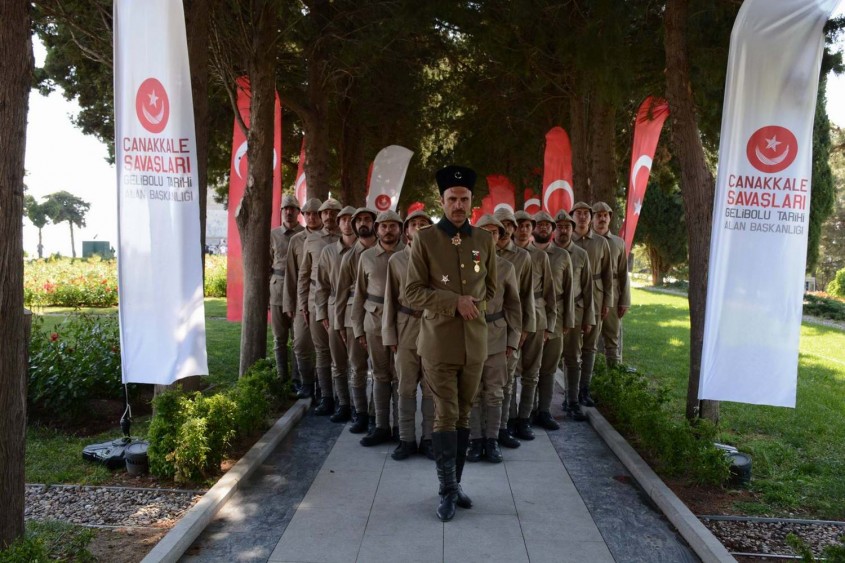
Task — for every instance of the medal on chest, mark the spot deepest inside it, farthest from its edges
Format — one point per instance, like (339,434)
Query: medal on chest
(456,240)
(476,258)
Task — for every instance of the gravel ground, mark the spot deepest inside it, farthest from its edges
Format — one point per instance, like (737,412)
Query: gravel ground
(104,506)
(770,537)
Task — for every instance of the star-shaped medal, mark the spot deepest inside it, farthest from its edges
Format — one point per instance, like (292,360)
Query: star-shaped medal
(445,279)
(456,240)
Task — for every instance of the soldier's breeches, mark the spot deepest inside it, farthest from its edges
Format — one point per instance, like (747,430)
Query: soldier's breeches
(303,349)
(591,341)
(409,372)
(454,387)
(552,350)
(572,361)
(610,334)
(532,355)
(320,337)
(490,396)
(507,390)
(383,376)
(358,369)
(340,367)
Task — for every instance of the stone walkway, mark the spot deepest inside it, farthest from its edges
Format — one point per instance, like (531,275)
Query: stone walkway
(321,497)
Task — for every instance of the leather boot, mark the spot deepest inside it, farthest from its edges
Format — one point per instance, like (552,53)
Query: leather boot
(588,360)
(511,426)
(404,450)
(576,413)
(544,420)
(325,407)
(306,391)
(361,423)
(476,450)
(376,437)
(426,448)
(506,440)
(492,451)
(371,425)
(445,446)
(460,458)
(584,397)
(395,435)
(523,429)
(342,414)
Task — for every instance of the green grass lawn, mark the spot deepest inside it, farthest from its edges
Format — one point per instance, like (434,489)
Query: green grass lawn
(798,454)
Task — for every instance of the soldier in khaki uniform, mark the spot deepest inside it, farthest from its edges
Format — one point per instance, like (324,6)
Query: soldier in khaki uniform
(452,276)
(599,250)
(583,316)
(399,330)
(303,347)
(367,308)
(564,319)
(545,304)
(328,270)
(611,328)
(282,324)
(521,260)
(363,223)
(306,301)
(504,330)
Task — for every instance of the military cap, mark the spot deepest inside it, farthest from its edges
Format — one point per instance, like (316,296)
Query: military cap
(504,214)
(523,216)
(361,210)
(348,210)
(311,206)
(331,204)
(388,216)
(601,206)
(290,201)
(543,216)
(414,215)
(562,215)
(581,205)
(488,219)
(454,176)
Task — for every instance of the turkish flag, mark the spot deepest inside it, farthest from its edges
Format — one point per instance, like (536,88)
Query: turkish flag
(557,172)
(650,117)
(300,188)
(237,184)
(532,203)
(502,192)
(476,215)
(487,205)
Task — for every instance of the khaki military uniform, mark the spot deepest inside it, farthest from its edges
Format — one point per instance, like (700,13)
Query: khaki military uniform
(280,238)
(303,346)
(401,328)
(367,308)
(447,262)
(561,267)
(328,272)
(583,314)
(602,268)
(612,325)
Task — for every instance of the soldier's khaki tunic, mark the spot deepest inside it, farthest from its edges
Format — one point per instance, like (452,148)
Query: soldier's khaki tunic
(598,249)
(280,238)
(306,298)
(621,298)
(582,296)
(328,271)
(367,307)
(303,347)
(401,327)
(453,350)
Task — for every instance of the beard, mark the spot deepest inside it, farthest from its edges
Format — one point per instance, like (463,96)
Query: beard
(542,239)
(365,232)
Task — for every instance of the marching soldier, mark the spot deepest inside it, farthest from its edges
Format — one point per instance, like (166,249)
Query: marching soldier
(311,249)
(303,347)
(583,318)
(602,269)
(367,310)
(452,276)
(564,319)
(328,271)
(280,238)
(400,329)
(504,330)
(612,324)
(363,224)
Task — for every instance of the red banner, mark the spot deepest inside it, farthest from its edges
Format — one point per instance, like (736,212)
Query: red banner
(502,193)
(650,117)
(476,215)
(487,205)
(416,206)
(532,203)
(557,172)
(300,188)
(237,184)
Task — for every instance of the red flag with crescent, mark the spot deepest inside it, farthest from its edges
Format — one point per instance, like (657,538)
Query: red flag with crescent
(557,172)
(416,206)
(300,188)
(502,193)
(487,205)
(532,202)
(476,215)
(650,117)
(237,184)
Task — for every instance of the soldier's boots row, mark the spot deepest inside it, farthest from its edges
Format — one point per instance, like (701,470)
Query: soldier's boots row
(406,449)
(484,448)
(506,440)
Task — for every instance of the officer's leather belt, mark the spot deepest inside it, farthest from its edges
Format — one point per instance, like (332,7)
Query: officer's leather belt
(375,298)
(410,312)
(278,272)
(494,316)
(538,294)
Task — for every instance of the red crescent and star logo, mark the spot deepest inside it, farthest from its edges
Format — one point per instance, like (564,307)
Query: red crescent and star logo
(152,105)
(383,202)
(772,149)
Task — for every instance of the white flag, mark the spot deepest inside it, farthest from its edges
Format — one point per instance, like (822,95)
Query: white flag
(758,249)
(162,316)
(388,175)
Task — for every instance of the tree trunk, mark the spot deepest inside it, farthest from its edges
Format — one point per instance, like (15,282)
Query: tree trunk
(578,136)
(253,217)
(72,244)
(40,246)
(602,153)
(658,271)
(16,69)
(353,162)
(697,188)
(318,145)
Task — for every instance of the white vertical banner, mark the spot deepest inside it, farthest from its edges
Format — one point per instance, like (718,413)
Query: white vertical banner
(758,249)
(162,316)
(389,169)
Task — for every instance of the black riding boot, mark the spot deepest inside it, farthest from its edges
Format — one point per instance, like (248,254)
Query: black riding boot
(463,442)
(445,445)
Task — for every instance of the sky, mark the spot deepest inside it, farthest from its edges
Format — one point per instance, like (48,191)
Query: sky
(60,157)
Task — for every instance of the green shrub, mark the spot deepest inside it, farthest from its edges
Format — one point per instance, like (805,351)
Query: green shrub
(77,362)
(824,307)
(190,458)
(50,541)
(837,285)
(163,436)
(215,276)
(676,447)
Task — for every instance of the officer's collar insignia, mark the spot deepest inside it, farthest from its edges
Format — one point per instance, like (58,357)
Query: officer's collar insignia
(445,279)
(456,240)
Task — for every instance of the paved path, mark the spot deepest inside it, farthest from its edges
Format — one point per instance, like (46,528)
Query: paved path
(321,497)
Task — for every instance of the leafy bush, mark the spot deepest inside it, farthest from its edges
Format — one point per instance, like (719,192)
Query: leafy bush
(90,282)
(215,276)
(50,541)
(676,447)
(819,306)
(77,362)
(837,285)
